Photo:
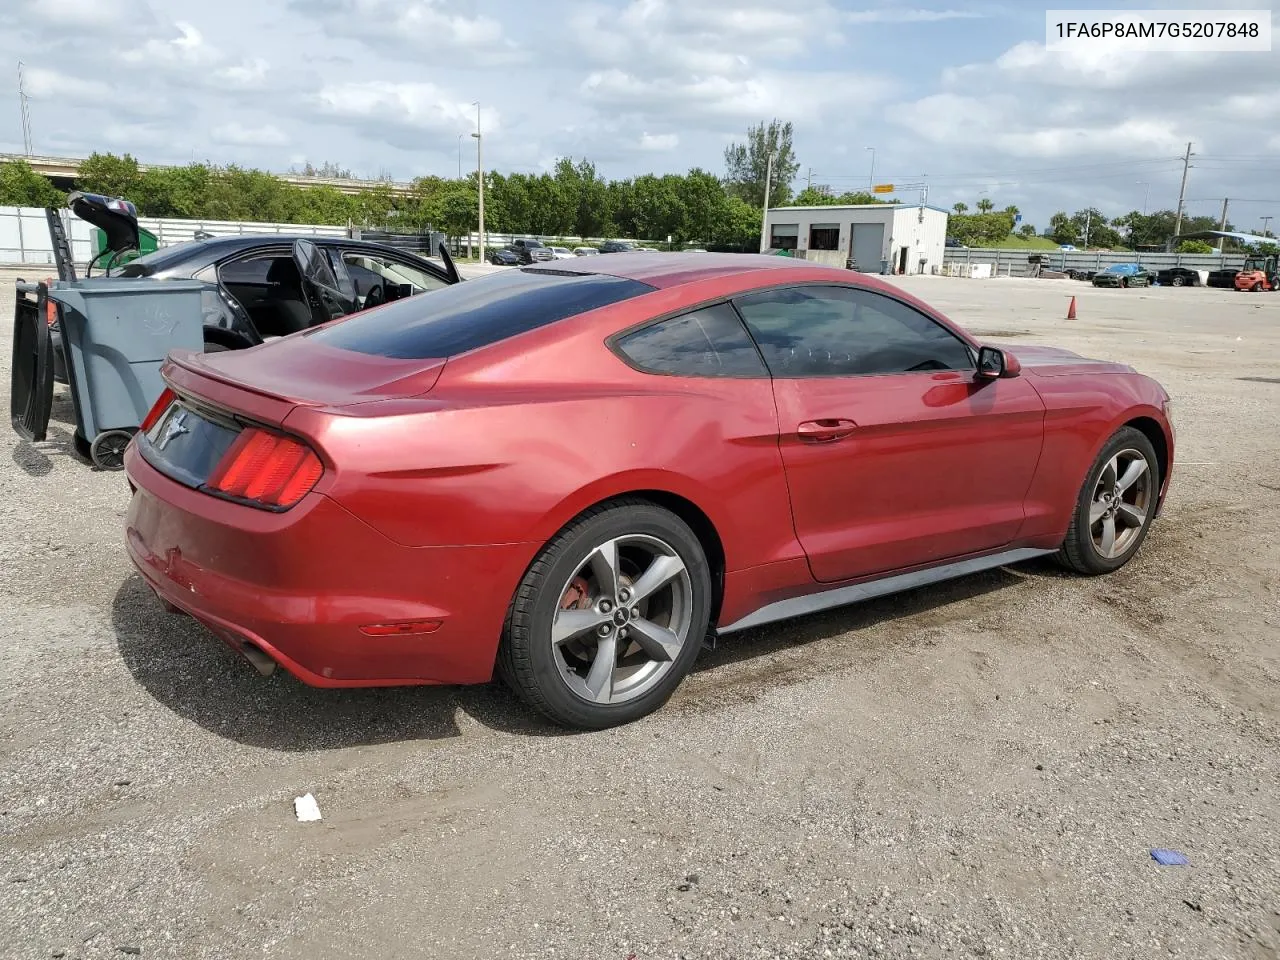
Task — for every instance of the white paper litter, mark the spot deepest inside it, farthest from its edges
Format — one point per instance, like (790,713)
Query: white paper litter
(306,808)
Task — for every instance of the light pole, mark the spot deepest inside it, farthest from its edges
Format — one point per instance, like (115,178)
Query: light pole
(460,136)
(1146,194)
(479,176)
(764,221)
(871,180)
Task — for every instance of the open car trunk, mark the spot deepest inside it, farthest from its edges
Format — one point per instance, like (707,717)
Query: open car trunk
(116,218)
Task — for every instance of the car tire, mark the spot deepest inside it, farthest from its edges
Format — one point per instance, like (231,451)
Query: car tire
(565,616)
(1177,282)
(1110,523)
(1124,282)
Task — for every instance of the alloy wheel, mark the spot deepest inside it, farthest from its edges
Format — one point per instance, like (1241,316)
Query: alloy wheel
(622,619)
(1121,503)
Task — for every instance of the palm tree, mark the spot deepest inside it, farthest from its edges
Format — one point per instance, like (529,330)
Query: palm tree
(960,208)
(985,205)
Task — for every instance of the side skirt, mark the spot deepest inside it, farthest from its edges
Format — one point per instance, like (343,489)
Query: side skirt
(843,596)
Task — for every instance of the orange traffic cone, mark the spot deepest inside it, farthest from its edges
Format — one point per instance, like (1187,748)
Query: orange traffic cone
(1071,310)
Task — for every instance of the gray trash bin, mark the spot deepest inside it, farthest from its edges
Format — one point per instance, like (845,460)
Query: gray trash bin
(115,335)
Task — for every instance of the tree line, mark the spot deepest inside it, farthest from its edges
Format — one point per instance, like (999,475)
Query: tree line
(571,200)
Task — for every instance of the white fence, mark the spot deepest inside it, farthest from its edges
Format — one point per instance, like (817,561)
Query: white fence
(25,241)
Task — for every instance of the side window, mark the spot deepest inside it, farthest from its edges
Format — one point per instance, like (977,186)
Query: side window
(838,332)
(370,270)
(246,271)
(315,264)
(710,342)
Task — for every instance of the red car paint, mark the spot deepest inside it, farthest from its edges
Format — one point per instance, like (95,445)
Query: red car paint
(444,478)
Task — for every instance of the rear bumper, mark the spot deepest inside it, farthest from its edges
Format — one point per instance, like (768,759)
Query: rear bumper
(298,586)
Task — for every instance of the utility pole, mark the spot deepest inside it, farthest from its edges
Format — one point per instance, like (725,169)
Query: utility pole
(871,180)
(1182,190)
(460,136)
(26,112)
(1146,194)
(764,221)
(1088,218)
(1222,227)
(480,177)
(808,183)
(1265,221)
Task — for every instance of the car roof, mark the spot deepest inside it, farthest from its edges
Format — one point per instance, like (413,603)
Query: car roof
(664,270)
(196,253)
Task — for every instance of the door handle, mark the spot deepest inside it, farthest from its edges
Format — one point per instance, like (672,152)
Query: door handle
(825,431)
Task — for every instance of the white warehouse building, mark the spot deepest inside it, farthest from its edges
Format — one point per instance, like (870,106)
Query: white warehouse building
(901,238)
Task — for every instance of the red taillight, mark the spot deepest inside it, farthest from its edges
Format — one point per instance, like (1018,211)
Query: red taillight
(157,410)
(267,468)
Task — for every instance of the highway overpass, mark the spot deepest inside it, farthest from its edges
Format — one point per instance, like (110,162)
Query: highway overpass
(62,171)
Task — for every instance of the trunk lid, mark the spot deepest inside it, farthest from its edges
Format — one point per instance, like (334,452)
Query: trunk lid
(270,380)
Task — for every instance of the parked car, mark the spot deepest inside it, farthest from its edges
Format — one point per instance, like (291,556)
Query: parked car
(270,285)
(1178,277)
(956,244)
(586,251)
(617,246)
(531,251)
(561,253)
(1122,275)
(505,257)
(764,438)
(1223,279)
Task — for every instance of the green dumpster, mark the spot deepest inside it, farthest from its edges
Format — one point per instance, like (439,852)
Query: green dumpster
(147,243)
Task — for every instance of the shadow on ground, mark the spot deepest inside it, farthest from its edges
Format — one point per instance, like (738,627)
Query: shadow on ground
(36,459)
(191,673)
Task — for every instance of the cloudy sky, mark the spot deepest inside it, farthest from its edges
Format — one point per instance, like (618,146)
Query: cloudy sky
(963,92)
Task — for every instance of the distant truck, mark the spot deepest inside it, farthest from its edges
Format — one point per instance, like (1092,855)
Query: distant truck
(1259,274)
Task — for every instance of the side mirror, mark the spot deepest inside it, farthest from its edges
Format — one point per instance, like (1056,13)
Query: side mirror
(995,364)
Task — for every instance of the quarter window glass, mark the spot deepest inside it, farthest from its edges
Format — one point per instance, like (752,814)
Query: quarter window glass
(706,343)
(838,331)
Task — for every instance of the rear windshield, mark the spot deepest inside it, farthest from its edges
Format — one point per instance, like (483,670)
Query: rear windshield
(160,259)
(476,313)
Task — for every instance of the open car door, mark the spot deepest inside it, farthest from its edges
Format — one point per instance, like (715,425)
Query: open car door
(320,284)
(450,267)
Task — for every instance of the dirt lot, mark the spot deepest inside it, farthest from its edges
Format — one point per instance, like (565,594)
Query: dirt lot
(977,769)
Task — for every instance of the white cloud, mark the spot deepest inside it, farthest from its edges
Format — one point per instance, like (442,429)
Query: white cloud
(659,141)
(898,15)
(188,47)
(45,84)
(84,13)
(425,31)
(422,106)
(237,134)
(732,100)
(250,73)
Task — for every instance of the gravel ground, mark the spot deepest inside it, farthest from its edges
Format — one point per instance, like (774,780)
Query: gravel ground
(976,769)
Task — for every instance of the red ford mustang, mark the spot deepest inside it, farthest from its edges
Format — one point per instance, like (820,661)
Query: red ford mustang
(572,472)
